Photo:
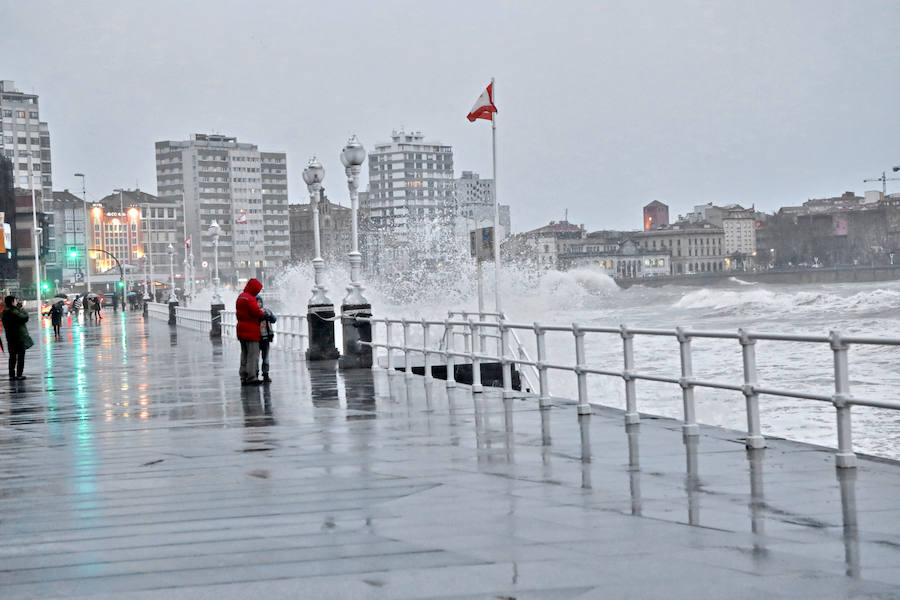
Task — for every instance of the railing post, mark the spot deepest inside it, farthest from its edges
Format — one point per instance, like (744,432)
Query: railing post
(690,426)
(390,350)
(543,382)
(505,363)
(467,335)
(748,350)
(426,328)
(450,358)
(407,366)
(845,458)
(631,413)
(584,407)
(476,361)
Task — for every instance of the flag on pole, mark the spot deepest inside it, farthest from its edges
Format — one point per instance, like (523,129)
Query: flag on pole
(187,243)
(241,218)
(484,107)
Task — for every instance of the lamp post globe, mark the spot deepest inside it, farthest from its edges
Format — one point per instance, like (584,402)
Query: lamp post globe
(314,173)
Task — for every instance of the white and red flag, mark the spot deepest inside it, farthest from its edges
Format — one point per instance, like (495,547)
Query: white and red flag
(484,107)
(187,243)
(241,218)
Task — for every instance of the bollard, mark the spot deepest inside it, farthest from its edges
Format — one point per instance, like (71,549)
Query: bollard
(320,325)
(356,330)
(584,407)
(173,319)
(845,458)
(690,426)
(631,414)
(215,320)
(748,351)
(450,358)
(544,400)
(476,361)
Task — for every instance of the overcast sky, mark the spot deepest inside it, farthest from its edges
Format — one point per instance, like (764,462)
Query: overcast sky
(604,106)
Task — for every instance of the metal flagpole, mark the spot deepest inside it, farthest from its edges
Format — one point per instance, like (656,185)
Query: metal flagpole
(496,203)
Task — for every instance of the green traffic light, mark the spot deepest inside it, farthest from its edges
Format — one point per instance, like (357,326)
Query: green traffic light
(73,253)
(122,284)
(45,286)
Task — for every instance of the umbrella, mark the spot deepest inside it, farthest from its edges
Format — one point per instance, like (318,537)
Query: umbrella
(61,295)
(92,295)
(131,294)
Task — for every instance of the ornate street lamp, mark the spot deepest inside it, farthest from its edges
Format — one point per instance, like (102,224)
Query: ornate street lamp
(173,300)
(216,306)
(355,305)
(320,309)
(215,230)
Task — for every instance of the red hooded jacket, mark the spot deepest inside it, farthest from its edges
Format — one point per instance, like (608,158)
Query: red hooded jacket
(248,312)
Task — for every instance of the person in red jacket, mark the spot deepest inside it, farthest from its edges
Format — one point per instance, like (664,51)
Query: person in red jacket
(249,315)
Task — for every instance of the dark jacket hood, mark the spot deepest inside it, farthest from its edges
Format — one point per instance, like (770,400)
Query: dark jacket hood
(253,287)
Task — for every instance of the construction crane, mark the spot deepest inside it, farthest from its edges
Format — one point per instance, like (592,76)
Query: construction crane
(884,179)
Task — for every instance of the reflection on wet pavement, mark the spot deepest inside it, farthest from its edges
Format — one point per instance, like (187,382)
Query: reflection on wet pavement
(133,460)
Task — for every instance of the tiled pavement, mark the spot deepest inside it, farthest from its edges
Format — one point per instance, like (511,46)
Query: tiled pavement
(133,466)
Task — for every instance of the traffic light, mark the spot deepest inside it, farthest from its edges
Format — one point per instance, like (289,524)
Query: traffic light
(73,252)
(45,286)
(121,283)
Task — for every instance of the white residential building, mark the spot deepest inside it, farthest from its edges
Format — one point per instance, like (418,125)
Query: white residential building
(215,177)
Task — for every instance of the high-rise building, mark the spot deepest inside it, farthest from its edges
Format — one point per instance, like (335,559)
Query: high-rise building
(216,178)
(25,140)
(410,179)
(475,206)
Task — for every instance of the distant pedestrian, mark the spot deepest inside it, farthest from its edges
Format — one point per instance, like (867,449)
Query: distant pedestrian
(249,314)
(266,336)
(76,306)
(18,341)
(97,307)
(115,300)
(56,314)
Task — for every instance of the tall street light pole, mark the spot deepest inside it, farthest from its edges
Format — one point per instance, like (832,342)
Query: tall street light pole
(127,227)
(88,231)
(320,310)
(173,300)
(355,305)
(37,237)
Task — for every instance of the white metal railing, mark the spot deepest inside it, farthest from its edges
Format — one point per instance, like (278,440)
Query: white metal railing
(158,310)
(290,330)
(749,386)
(198,319)
(514,344)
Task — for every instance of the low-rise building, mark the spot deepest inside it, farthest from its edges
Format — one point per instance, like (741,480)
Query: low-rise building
(544,245)
(334,227)
(626,261)
(694,247)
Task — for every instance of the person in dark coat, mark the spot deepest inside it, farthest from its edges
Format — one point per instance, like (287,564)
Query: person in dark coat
(14,318)
(56,315)
(249,314)
(266,335)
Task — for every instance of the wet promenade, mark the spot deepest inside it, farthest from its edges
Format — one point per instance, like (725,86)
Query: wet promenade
(133,466)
